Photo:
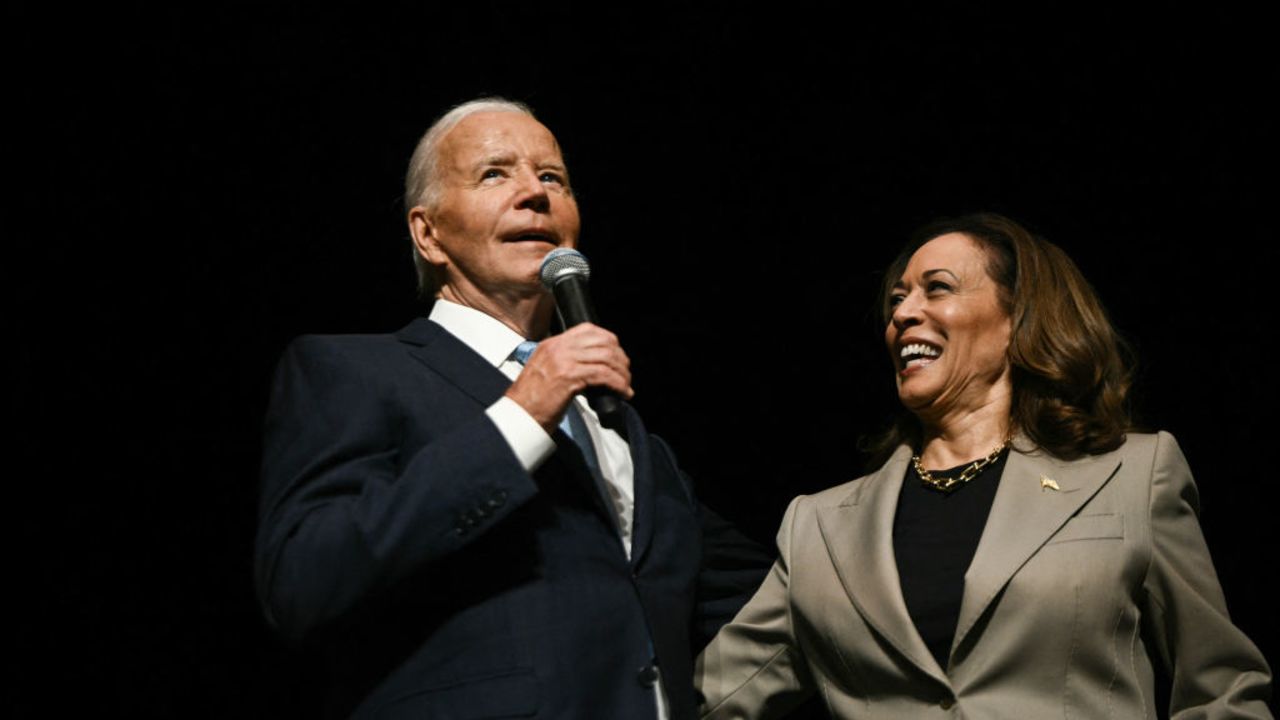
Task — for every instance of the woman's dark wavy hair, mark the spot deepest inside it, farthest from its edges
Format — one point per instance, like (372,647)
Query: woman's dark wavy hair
(1071,371)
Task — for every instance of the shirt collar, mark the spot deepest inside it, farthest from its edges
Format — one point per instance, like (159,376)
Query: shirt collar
(484,334)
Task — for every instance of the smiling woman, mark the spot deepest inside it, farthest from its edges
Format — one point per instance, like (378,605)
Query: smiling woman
(1068,370)
(948,330)
(1020,552)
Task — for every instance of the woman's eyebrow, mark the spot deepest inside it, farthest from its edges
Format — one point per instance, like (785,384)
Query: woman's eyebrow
(939,271)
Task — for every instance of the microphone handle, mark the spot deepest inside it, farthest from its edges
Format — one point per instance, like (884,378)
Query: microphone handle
(573,303)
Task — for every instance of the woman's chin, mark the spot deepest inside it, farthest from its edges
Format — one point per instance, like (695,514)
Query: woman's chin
(916,402)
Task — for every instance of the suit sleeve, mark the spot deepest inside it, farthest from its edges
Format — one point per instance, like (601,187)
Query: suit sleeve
(754,667)
(733,566)
(344,515)
(1214,669)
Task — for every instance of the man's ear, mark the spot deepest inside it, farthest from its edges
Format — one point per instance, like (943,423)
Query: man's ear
(423,230)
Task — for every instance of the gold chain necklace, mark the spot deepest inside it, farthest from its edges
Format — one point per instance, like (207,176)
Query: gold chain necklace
(945,484)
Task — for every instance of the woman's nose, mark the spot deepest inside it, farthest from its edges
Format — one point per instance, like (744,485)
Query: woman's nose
(906,313)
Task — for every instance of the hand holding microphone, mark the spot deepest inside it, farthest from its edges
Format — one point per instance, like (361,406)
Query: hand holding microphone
(584,359)
(565,273)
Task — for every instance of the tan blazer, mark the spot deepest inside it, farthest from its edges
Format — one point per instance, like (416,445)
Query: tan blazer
(1087,572)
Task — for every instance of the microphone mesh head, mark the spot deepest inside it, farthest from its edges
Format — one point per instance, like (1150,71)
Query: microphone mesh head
(562,263)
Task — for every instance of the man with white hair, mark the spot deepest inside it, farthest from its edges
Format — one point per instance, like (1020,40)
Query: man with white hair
(444,513)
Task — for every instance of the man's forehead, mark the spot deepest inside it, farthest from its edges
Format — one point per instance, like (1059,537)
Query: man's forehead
(498,135)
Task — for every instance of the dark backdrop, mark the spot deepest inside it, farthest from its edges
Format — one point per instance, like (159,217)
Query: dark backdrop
(190,188)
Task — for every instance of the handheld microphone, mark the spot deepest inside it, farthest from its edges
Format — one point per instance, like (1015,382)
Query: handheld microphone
(565,273)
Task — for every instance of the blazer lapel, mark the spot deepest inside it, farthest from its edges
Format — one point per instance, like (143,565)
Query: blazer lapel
(642,517)
(452,360)
(1026,512)
(859,537)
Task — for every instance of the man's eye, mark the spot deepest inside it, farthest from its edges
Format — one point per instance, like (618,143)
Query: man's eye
(550,177)
(490,174)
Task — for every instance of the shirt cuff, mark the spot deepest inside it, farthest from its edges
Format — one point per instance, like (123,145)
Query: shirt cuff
(531,444)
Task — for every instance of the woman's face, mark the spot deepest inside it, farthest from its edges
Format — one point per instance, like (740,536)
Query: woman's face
(948,335)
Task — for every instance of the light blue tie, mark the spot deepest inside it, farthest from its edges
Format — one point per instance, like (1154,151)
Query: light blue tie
(572,423)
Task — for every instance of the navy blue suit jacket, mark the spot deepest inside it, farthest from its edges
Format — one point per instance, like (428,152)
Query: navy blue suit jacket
(400,534)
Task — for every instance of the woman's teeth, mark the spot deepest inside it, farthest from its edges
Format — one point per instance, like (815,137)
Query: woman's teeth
(919,354)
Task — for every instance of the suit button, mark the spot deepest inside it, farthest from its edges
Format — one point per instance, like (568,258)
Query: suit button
(946,703)
(647,676)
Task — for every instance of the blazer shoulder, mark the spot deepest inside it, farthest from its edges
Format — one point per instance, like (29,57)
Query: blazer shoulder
(850,492)
(1142,443)
(836,493)
(1156,448)
(359,347)
(347,343)
(333,353)
(1138,447)
(839,494)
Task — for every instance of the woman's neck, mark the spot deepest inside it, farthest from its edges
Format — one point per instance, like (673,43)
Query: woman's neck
(962,437)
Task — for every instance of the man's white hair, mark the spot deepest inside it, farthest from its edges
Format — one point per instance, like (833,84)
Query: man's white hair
(422,181)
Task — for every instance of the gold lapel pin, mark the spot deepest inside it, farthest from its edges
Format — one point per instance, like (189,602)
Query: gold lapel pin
(1048,483)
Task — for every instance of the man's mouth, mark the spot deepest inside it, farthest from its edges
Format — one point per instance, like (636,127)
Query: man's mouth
(533,236)
(915,355)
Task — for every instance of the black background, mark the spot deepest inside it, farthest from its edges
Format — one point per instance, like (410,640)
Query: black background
(191,188)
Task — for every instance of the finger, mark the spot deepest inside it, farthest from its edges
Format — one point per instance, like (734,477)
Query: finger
(612,356)
(588,335)
(604,376)
(561,360)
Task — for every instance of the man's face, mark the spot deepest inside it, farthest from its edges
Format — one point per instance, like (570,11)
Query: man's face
(505,203)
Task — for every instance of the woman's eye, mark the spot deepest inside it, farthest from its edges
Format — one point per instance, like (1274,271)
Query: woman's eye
(938,286)
(896,300)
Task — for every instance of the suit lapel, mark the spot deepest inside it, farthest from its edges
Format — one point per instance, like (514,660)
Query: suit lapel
(452,360)
(642,518)
(1026,512)
(859,537)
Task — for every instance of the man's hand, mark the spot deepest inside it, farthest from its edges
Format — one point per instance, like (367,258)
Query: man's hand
(583,356)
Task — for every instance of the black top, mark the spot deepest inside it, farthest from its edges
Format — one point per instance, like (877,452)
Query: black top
(935,536)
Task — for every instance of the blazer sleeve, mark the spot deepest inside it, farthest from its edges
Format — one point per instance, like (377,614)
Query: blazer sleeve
(1214,669)
(754,668)
(344,515)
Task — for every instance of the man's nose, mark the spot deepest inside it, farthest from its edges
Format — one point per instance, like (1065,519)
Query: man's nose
(532,193)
